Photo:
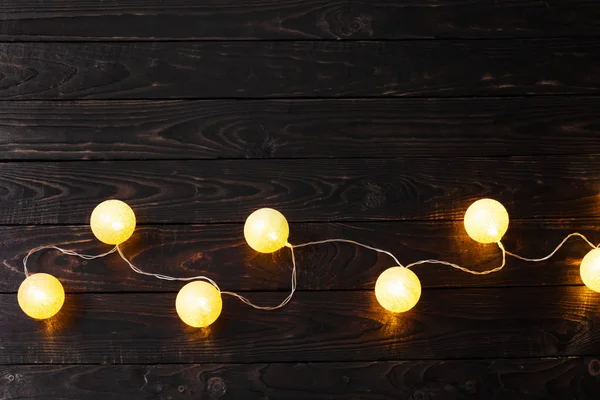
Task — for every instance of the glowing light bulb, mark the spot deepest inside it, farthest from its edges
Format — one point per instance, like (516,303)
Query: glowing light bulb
(41,296)
(198,304)
(398,289)
(112,222)
(590,270)
(266,230)
(486,221)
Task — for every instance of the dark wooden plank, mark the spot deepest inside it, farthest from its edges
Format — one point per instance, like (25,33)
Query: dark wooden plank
(77,130)
(289,19)
(220,252)
(298,69)
(304,190)
(314,326)
(526,379)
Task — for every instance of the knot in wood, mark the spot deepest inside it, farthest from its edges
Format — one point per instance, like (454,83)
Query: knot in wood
(419,395)
(471,386)
(351,21)
(216,387)
(594,367)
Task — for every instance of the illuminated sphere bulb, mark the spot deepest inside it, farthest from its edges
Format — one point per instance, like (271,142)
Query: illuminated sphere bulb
(198,304)
(112,222)
(41,296)
(398,289)
(266,230)
(590,270)
(486,221)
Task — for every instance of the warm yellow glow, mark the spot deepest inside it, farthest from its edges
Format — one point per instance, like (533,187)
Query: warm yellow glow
(198,304)
(590,270)
(486,221)
(41,296)
(398,289)
(266,230)
(112,222)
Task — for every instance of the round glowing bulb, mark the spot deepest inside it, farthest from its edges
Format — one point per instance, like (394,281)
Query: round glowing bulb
(486,221)
(398,289)
(198,304)
(112,222)
(41,296)
(266,230)
(590,270)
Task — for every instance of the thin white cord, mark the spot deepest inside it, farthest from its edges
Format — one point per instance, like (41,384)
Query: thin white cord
(489,271)
(574,234)
(352,242)
(165,277)
(429,261)
(64,251)
(285,301)
(207,279)
(294,271)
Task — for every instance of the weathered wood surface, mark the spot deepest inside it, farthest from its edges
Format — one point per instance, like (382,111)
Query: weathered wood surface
(109,130)
(304,190)
(314,326)
(219,107)
(291,19)
(525,379)
(298,69)
(220,252)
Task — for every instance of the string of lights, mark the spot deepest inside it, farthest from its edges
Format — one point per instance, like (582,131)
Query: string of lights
(199,302)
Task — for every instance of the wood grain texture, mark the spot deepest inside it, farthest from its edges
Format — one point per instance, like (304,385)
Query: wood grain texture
(220,252)
(528,379)
(298,69)
(314,326)
(290,19)
(304,190)
(106,130)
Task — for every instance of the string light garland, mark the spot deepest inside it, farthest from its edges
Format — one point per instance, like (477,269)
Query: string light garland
(199,302)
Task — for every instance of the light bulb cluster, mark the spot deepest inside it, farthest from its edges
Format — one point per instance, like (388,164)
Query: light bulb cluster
(199,303)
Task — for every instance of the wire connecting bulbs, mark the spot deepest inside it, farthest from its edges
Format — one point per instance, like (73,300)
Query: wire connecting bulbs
(199,303)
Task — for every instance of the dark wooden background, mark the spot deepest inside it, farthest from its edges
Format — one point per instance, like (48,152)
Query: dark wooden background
(373,120)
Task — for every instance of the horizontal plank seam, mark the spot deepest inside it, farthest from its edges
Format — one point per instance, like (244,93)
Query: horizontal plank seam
(304,99)
(261,291)
(6,39)
(410,157)
(562,220)
(21,98)
(360,362)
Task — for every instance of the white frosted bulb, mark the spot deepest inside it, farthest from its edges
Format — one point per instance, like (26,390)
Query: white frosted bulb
(266,230)
(198,304)
(590,270)
(112,222)
(486,221)
(41,296)
(398,289)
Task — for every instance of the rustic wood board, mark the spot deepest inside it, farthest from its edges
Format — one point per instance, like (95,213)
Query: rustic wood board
(299,69)
(293,19)
(198,191)
(315,326)
(525,379)
(234,129)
